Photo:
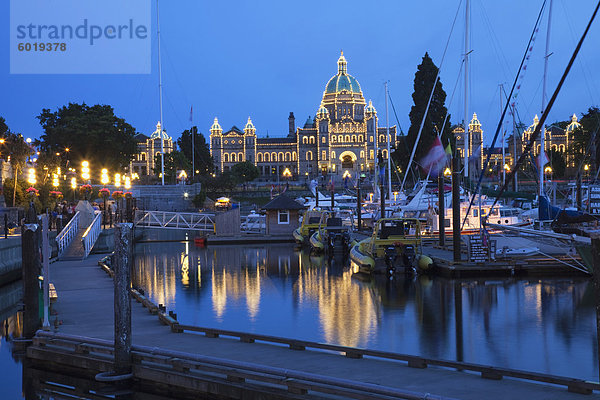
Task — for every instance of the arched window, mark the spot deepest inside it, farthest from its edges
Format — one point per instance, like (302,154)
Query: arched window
(371,139)
(362,154)
(233,157)
(309,156)
(333,155)
(294,156)
(259,157)
(384,153)
(241,157)
(347,138)
(354,138)
(561,148)
(341,138)
(267,158)
(143,156)
(288,157)
(371,154)
(382,138)
(555,147)
(361,138)
(226,157)
(280,158)
(333,139)
(305,140)
(324,140)
(312,140)
(323,155)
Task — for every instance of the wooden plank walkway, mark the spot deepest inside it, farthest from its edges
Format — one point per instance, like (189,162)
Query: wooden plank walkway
(85,308)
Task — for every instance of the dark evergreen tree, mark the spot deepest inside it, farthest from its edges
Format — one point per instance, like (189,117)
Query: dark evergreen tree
(423,83)
(202,158)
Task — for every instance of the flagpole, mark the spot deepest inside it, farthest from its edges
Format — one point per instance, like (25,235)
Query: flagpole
(193,135)
(160,102)
(388,138)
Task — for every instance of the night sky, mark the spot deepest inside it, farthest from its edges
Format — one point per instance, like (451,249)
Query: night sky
(234,59)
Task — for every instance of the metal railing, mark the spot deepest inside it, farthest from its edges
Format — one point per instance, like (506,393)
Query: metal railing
(91,234)
(68,233)
(175,220)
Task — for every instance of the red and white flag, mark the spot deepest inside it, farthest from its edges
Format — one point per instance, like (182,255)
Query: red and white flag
(434,160)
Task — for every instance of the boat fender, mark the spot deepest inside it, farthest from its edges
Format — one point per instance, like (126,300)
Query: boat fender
(425,263)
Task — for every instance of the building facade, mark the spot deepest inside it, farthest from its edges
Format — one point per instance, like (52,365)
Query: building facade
(341,140)
(143,163)
(555,138)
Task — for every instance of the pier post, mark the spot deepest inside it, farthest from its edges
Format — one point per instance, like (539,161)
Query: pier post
(441,210)
(123,259)
(382,196)
(332,193)
(30,253)
(46,271)
(596,279)
(456,208)
(578,194)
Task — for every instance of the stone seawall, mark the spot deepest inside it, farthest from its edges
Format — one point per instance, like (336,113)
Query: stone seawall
(10,260)
(166,198)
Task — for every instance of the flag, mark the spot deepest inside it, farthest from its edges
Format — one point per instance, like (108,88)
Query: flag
(435,158)
(449,150)
(191,113)
(542,159)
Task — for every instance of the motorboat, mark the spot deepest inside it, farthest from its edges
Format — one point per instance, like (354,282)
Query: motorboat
(394,246)
(311,221)
(332,237)
(254,222)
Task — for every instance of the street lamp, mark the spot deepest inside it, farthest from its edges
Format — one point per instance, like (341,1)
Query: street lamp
(127,183)
(447,172)
(85,170)
(104,176)
(117,180)
(74,186)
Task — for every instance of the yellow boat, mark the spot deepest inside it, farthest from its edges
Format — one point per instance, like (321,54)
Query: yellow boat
(332,237)
(311,221)
(394,246)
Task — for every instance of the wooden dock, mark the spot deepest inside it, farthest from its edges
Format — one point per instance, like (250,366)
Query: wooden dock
(175,360)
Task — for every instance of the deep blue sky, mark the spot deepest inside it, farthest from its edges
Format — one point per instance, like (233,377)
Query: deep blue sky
(234,59)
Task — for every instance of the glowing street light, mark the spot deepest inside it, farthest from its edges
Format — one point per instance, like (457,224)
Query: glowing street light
(117,180)
(104,176)
(127,182)
(85,170)
(55,180)
(31,176)
(447,171)
(73,183)
(287,173)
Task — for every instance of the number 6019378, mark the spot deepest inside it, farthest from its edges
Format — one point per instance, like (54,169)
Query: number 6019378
(35,46)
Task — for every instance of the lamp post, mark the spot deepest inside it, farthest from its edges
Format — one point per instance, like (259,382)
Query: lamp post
(74,187)
(85,171)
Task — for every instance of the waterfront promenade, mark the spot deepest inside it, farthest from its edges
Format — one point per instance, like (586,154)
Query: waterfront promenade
(85,307)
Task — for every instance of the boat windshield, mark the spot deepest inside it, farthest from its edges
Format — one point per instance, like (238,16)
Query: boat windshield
(390,228)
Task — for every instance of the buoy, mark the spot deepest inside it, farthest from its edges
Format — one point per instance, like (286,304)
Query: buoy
(425,263)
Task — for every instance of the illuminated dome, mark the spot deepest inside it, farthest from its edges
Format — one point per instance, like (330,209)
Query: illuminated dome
(370,109)
(323,112)
(342,81)
(249,124)
(215,126)
(574,125)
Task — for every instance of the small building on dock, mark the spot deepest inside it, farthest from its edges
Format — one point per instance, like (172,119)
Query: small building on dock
(282,215)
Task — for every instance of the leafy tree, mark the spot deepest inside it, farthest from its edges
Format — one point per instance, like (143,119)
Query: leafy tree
(557,163)
(245,172)
(92,133)
(174,161)
(423,83)
(222,183)
(3,127)
(202,158)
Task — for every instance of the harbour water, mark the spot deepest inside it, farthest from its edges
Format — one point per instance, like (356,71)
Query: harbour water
(543,325)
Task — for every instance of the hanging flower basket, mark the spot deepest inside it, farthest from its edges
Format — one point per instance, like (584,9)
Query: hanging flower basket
(117,195)
(32,192)
(56,194)
(128,195)
(104,193)
(85,190)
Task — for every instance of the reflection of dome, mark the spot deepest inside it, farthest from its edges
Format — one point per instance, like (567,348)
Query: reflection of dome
(342,81)
(574,125)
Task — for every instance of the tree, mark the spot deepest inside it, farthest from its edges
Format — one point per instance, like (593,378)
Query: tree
(91,133)
(245,172)
(18,150)
(174,161)
(203,161)
(434,122)
(557,163)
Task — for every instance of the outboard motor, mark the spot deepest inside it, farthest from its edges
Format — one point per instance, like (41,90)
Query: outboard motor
(390,259)
(408,258)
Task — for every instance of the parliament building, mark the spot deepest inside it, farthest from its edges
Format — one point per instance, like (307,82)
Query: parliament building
(340,141)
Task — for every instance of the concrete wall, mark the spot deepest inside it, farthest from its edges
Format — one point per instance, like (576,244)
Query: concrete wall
(105,242)
(10,259)
(165,198)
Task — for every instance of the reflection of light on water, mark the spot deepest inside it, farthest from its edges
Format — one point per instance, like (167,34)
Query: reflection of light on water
(252,294)
(533,297)
(348,313)
(185,269)
(219,294)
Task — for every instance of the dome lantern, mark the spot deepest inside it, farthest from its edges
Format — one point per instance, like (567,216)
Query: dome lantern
(342,65)
(216,129)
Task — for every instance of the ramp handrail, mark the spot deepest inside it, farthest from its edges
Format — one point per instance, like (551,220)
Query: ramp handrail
(68,233)
(175,220)
(91,234)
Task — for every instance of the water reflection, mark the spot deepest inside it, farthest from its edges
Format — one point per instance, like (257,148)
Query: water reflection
(539,325)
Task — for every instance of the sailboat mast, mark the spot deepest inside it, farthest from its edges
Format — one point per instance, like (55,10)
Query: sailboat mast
(160,103)
(466,123)
(543,137)
(503,134)
(387,141)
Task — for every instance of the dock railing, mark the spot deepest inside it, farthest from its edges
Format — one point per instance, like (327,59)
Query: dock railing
(91,234)
(68,233)
(175,220)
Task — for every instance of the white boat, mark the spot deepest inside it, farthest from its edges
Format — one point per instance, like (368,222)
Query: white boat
(254,222)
